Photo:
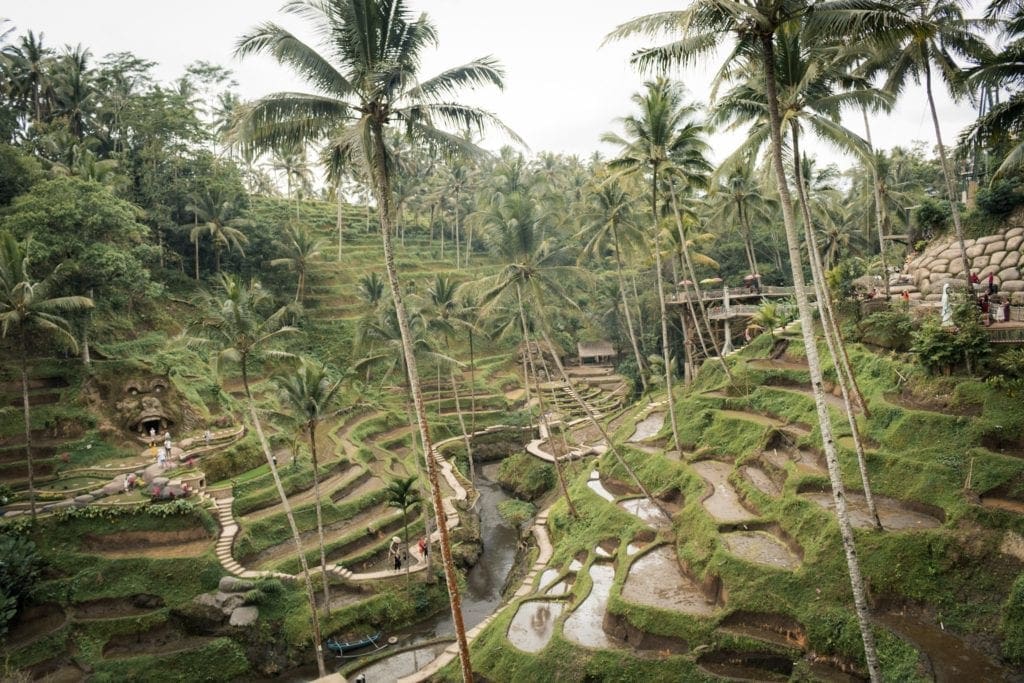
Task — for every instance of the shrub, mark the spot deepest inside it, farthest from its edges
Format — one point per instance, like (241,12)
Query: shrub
(526,476)
(933,216)
(20,568)
(891,329)
(1001,197)
(943,348)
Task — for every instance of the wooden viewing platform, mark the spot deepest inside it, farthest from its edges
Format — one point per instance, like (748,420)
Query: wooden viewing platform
(718,294)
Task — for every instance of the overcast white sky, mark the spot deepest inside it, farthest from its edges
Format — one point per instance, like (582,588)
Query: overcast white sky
(562,88)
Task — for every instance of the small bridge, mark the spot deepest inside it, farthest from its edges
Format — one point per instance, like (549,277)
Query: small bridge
(719,294)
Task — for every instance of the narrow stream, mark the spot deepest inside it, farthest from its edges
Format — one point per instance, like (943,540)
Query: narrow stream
(482,593)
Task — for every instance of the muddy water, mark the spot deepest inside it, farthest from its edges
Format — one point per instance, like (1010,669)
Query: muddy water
(484,582)
(402,664)
(761,547)
(805,461)
(1003,504)
(648,427)
(584,625)
(951,658)
(597,487)
(895,515)
(724,503)
(646,511)
(657,581)
(546,577)
(533,624)
(762,481)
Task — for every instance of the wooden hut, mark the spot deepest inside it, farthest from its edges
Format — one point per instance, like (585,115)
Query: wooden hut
(596,353)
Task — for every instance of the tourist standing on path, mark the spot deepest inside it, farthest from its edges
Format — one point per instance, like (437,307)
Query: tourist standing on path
(207,436)
(991,284)
(424,547)
(395,550)
(161,458)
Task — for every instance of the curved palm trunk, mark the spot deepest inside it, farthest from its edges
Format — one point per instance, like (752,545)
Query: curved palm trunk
(664,315)
(557,461)
(287,507)
(954,202)
(640,367)
(833,340)
(319,516)
(28,423)
(813,362)
(830,323)
(876,186)
(383,191)
(748,236)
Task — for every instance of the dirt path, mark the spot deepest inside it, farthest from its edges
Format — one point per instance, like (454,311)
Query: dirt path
(830,399)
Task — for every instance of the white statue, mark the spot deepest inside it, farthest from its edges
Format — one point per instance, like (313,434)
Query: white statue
(947,306)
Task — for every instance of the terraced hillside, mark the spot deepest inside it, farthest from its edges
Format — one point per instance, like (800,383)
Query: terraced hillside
(747,580)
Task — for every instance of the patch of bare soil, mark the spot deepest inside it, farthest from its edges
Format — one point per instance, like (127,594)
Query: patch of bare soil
(747,666)
(142,540)
(116,608)
(772,628)
(58,669)
(161,639)
(936,401)
(33,622)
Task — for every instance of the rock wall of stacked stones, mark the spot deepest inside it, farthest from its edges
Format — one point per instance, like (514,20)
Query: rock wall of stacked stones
(999,254)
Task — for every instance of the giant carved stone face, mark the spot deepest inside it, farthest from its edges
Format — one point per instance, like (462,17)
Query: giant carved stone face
(148,404)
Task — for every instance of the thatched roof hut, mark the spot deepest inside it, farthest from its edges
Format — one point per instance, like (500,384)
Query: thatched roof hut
(595,352)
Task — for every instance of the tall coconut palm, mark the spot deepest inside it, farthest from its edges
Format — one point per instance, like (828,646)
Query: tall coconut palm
(237,327)
(301,247)
(217,215)
(309,397)
(701,28)
(367,81)
(662,124)
(610,221)
(937,37)
(26,308)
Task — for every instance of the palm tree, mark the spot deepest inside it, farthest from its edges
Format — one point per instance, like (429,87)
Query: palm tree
(754,26)
(290,161)
(368,81)
(937,36)
(610,221)
(26,307)
(737,199)
(302,247)
(216,214)
(236,326)
(371,289)
(403,494)
(309,396)
(661,127)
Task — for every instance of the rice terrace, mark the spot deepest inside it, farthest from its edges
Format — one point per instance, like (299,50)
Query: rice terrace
(370,340)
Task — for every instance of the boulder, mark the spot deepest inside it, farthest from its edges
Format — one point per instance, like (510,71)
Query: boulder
(160,481)
(1013,243)
(197,617)
(1015,286)
(83,499)
(995,247)
(989,239)
(1012,259)
(208,599)
(950,254)
(231,584)
(975,250)
(229,601)
(114,487)
(98,493)
(244,616)
(1009,274)
(1015,232)
(939,265)
(956,266)
(979,262)
(996,258)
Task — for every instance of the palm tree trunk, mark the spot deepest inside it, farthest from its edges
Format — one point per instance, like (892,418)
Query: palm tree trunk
(876,187)
(813,362)
(319,517)
(456,230)
(287,507)
(472,383)
(664,315)
(383,191)
(197,247)
(693,278)
(28,422)
(639,309)
(833,339)
(640,367)
(556,460)
(341,219)
(462,426)
(830,323)
(954,201)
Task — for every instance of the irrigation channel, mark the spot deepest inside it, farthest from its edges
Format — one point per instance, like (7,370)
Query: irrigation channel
(481,597)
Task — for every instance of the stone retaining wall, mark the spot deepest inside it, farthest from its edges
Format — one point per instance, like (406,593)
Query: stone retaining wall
(999,254)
